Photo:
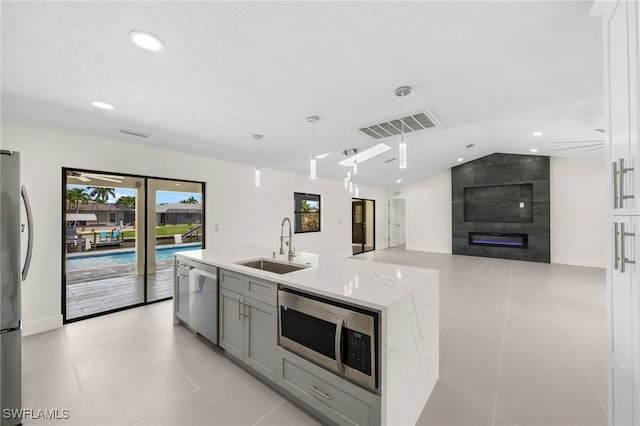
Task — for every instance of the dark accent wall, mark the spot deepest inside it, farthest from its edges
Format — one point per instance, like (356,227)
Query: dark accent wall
(496,170)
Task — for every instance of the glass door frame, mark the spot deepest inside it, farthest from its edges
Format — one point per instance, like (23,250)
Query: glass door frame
(63,204)
(363,202)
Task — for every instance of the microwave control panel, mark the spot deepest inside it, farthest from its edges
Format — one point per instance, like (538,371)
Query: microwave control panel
(358,351)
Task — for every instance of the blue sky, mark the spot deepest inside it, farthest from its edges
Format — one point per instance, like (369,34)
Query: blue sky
(161,196)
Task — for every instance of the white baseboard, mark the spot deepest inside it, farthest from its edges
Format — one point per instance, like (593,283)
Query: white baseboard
(430,249)
(579,262)
(41,325)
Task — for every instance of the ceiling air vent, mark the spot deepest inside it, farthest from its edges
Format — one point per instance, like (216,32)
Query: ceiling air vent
(412,123)
(134,133)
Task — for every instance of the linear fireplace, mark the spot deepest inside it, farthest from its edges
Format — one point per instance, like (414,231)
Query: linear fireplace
(499,239)
(500,207)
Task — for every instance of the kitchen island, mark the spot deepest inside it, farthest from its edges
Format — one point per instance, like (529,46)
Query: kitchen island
(404,300)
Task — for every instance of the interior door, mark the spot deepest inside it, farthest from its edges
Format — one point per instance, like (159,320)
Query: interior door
(396,222)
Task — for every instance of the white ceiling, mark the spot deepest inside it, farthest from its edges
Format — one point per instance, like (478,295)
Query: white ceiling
(491,72)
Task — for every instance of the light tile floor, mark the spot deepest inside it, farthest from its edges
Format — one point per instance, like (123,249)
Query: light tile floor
(521,344)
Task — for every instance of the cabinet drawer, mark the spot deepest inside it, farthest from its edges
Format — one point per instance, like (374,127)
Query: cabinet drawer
(262,290)
(341,406)
(231,281)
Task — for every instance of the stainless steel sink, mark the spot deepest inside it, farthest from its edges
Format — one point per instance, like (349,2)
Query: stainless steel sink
(270,266)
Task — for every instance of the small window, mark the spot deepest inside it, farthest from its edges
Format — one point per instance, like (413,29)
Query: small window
(112,217)
(306,212)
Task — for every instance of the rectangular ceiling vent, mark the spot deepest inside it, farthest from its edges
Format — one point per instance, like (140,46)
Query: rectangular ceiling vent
(412,123)
(134,133)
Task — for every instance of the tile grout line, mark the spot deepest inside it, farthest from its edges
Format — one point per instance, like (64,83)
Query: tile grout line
(464,293)
(504,333)
(269,412)
(577,348)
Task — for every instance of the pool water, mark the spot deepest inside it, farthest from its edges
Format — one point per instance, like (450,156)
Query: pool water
(104,260)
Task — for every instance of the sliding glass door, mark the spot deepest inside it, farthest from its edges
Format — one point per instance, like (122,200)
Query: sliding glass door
(120,233)
(174,223)
(362,225)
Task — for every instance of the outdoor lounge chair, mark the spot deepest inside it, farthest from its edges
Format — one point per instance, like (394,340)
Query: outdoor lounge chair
(103,236)
(74,241)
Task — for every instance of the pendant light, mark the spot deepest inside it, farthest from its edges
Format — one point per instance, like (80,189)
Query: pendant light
(257,168)
(355,166)
(402,146)
(312,163)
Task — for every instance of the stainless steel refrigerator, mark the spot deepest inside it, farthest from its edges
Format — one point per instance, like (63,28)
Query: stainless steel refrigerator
(12,273)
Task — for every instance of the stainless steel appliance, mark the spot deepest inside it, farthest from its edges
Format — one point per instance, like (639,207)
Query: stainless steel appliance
(338,337)
(203,300)
(12,274)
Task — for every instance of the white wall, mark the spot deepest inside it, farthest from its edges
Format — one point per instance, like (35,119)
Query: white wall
(428,213)
(578,212)
(244,214)
(578,204)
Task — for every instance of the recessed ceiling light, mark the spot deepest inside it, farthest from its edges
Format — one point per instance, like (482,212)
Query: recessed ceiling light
(146,40)
(460,159)
(399,180)
(537,133)
(365,155)
(102,105)
(321,156)
(533,150)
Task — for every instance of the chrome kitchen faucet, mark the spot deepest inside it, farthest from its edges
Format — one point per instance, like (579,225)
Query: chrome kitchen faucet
(292,251)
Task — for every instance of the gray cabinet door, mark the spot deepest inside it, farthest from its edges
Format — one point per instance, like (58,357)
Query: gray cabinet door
(231,336)
(261,337)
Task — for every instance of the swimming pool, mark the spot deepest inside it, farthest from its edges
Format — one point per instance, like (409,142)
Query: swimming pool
(104,260)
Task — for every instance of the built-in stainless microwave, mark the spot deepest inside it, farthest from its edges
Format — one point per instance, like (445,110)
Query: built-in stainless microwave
(338,337)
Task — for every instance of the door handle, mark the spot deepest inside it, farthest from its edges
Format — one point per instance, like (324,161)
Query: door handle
(27,260)
(338,345)
(615,245)
(621,172)
(623,256)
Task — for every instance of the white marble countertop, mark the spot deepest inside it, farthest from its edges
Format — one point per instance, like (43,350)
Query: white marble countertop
(369,284)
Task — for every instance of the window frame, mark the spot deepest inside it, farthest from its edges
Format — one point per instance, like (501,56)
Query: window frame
(298,213)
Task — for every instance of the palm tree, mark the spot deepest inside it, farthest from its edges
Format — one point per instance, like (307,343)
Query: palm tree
(100,194)
(75,196)
(190,200)
(127,201)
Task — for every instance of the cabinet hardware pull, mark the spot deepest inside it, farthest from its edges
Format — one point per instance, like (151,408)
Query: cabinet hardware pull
(616,203)
(315,389)
(246,311)
(338,345)
(615,245)
(623,255)
(240,310)
(621,172)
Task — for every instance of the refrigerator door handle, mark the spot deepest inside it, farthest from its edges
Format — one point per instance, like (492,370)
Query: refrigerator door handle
(27,260)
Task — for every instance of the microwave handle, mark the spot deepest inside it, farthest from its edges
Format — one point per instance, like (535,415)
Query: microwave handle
(338,345)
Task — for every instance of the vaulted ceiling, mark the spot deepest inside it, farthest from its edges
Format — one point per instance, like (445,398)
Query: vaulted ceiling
(491,73)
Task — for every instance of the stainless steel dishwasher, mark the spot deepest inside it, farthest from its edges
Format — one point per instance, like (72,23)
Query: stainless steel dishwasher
(203,300)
